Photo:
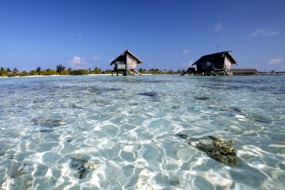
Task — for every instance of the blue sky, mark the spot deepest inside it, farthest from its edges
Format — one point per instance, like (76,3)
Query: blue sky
(164,34)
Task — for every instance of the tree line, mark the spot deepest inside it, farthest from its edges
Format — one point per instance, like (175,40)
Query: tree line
(61,70)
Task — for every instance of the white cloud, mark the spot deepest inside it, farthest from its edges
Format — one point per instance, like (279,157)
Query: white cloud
(264,32)
(77,62)
(186,51)
(275,61)
(218,27)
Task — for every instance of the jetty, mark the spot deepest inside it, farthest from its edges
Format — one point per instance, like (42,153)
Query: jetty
(272,73)
(244,71)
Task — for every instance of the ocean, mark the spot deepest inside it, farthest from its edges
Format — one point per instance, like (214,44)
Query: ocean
(144,132)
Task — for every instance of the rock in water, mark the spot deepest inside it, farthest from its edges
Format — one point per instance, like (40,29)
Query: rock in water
(82,166)
(219,150)
(48,122)
(82,170)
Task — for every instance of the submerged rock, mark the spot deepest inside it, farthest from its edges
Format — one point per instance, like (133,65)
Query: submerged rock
(82,166)
(48,122)
(219,150)
(46,130)
(82,170)
(183,136)
(202,98)
(149,94)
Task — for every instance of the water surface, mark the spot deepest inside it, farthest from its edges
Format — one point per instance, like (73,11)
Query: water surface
(104,132)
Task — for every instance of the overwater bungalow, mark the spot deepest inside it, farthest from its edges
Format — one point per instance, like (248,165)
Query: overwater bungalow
(126,64)
(216,64)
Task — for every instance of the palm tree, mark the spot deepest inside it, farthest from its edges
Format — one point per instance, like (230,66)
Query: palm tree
(39,70)
(60,68)
(15,71)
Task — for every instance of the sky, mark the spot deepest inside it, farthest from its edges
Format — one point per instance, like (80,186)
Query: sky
(164,34)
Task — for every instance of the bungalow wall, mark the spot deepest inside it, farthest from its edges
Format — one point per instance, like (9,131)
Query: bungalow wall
(131,62)
(211,66)
(227,64)
(215,65)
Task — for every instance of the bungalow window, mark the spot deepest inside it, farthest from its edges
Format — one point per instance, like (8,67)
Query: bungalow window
(209,64)
(204,66)
(120,65)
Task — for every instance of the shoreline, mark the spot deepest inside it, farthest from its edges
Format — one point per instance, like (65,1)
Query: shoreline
(35,76)
(40,76)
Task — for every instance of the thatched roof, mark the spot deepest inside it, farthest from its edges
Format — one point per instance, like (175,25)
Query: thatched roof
(122,57)
(215,56)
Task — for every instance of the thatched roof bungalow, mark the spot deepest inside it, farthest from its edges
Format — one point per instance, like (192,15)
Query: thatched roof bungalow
(215,64)
(126,63)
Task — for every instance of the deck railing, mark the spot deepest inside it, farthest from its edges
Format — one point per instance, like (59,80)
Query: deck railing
(121,66)
(218,67)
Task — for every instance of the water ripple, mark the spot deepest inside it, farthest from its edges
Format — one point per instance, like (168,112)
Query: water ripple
(103,132)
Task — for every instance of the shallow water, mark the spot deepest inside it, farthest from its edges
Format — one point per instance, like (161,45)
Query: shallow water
(104,132)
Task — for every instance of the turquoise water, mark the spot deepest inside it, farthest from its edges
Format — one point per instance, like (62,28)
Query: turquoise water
(104,132)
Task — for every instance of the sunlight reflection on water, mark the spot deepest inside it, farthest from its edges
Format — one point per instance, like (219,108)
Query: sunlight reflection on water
(104,132)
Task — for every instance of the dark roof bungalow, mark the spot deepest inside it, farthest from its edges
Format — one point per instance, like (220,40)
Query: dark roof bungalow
(215,64)
(126,63)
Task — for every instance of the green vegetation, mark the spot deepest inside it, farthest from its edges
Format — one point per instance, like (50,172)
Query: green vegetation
(61,70)
(79,72)
(97,71)
(49,72)
(64,72)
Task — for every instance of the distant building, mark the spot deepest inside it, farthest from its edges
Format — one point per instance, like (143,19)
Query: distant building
(244,71)
(126,63)
(215,64)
